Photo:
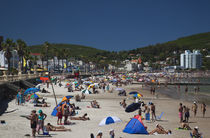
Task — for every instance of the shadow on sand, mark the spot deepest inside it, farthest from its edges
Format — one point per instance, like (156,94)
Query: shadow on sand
(4,106)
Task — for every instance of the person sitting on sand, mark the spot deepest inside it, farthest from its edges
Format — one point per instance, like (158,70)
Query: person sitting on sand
(50,127)
(123,103)
(94,104)
(82,96)
(83,118)
(185,125)
(77,98)
(160,130)
(195,133)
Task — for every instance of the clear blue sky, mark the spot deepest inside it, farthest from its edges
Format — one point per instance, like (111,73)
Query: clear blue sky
(104,24)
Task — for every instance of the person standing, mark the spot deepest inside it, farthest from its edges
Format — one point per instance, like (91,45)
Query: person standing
(33,120)
(181,112)
(203,108)
(194,108)
(111,133)
(186,113)
(59,114)
(66,113)
(153,112)
(41,118)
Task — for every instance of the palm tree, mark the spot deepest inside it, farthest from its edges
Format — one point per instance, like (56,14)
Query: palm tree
(8,46)
(43,56)
(27,57)
(46,46)
(20,47)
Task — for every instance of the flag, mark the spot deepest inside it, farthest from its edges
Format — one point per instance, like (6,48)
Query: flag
(64,65)
(24,62)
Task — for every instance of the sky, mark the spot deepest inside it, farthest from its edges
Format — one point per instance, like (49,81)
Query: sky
(112,25)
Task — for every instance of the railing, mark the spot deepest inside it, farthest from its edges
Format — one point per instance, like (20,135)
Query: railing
(12,78)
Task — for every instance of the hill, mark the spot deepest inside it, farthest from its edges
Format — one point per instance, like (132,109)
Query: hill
(162,51)
(75,50)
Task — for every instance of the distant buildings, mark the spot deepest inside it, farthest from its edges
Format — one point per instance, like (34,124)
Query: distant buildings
(190,60)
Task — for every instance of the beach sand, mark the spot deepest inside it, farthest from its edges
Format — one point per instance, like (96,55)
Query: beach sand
(17,126)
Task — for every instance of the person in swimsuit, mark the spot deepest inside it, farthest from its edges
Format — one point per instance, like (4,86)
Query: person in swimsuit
(160,130)
(50,127)
(153,112)
(203,109)
(194,108)
(34,119)
(83,118)
(181,112)
(41,118)
(59,114)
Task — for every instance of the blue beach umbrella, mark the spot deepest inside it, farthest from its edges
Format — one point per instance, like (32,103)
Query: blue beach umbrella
(109,120)
(31,90)
(133,92)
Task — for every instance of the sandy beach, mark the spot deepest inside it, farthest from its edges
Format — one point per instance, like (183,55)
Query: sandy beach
(17,126)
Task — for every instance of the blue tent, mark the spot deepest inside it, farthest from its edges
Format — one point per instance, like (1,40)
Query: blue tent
(54,112)
(135,126)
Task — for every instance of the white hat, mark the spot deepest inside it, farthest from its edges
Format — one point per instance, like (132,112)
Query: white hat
(194,102)
(196,127)
(99,131)
(111,130)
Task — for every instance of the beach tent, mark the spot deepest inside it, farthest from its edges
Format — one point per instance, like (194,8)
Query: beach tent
(54,112)
(109,120)
(135,126)
(132,107)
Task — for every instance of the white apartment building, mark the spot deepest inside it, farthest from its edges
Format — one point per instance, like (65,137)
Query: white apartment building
(190,60)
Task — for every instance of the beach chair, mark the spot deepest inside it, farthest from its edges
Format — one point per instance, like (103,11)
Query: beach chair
(159,117)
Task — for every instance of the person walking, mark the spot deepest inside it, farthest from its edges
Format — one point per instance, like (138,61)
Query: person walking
(153,112)
(203,109)
(194,108)
(181,112)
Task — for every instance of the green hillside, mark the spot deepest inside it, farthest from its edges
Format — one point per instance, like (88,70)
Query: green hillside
(162,51)
(75,50)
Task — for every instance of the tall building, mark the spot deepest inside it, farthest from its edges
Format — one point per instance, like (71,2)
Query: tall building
(190,60)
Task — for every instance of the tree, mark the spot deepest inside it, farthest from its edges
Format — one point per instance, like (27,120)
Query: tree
(46,46)
(8,46)
(20,47)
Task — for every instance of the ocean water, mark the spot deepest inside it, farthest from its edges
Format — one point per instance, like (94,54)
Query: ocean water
(174,92)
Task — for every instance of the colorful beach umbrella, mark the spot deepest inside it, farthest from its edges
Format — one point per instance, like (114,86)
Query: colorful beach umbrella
(34,96)
(31,90)
(109,120)
(66,98)
(138,95)
(133,92)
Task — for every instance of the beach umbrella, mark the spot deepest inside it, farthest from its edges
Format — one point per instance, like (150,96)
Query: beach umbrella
(31,90)
(133,92)
(66,98)
(87,82)
(119,89)
(132,107)
(85,91)
(109,120)
(35,96)
(138,95)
